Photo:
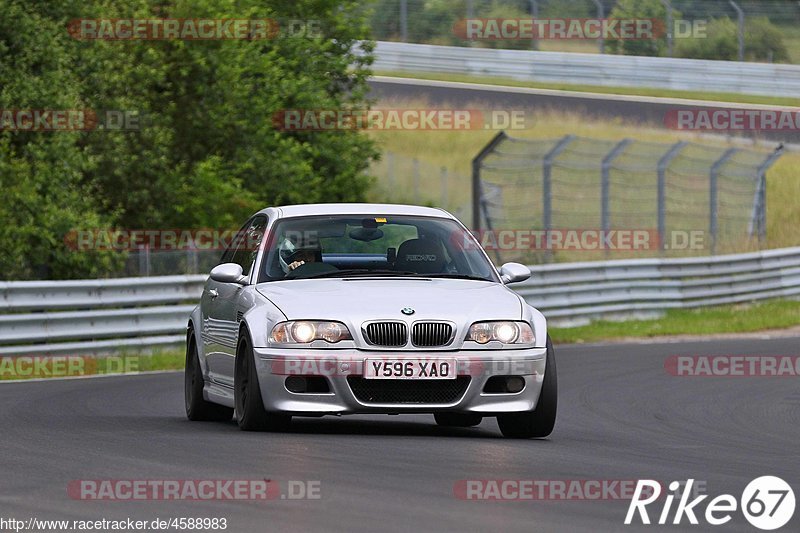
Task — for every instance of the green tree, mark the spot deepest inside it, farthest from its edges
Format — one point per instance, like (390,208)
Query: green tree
(641,9)
(762,41)
(207,152)
(41,173)
(210,104)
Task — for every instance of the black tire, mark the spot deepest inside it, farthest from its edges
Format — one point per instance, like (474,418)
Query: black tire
(457,420)
(197,408)
(250,412)
(539,422)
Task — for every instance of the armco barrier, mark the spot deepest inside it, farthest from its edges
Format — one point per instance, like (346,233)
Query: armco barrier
(95,316)
(592,69)
(99,316)
(578,292)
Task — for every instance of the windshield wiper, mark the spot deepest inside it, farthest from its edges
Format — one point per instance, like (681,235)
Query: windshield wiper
(366,272)
(361,272)
(457,276)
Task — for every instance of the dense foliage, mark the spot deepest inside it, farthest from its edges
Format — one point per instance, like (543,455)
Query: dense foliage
(205,152)
(762,42)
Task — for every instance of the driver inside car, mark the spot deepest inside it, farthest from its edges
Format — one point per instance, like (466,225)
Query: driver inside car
(301,257)
(304,260)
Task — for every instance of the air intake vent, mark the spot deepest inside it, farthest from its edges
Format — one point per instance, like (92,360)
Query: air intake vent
(409,391)
(391,334)
(430,334)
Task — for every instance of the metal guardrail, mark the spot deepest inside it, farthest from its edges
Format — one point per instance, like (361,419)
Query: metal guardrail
(94,316)
(93,293)
(592,69)
(577,292)
(97,316)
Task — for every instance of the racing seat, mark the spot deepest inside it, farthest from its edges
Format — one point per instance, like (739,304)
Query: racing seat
(423,256)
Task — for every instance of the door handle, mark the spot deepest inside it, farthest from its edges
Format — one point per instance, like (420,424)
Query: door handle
(213,293)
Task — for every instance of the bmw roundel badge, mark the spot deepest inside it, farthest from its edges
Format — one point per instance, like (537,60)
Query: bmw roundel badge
(407,311)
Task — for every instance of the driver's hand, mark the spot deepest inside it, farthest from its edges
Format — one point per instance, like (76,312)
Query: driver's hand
(296,264)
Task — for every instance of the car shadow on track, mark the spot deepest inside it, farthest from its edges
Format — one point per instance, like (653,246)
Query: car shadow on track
(394,426)
(378,426)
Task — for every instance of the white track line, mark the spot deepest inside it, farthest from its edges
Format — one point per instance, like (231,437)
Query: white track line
(63,378)
(576,94)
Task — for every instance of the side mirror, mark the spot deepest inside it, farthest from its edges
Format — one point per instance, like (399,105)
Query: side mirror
(514,272)
(227,273)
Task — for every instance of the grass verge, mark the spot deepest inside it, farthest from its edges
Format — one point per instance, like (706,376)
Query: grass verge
(602,89)
(37,367)
(740,318)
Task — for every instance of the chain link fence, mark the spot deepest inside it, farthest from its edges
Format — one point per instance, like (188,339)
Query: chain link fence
(692,199)
(147,262)
(669,191)
(409,180)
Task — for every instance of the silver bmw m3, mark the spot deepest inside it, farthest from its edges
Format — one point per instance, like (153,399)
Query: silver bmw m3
(336,309)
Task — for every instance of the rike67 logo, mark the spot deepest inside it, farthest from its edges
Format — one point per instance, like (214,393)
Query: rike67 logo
(767,503)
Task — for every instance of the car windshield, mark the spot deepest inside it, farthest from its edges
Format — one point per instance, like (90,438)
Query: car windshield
(373,246)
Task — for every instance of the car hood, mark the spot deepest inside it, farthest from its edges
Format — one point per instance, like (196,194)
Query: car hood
(356,300)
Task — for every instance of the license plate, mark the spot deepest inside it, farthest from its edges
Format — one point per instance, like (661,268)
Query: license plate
(410,368)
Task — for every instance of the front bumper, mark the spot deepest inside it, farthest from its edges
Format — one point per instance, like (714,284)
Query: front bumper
(275,365)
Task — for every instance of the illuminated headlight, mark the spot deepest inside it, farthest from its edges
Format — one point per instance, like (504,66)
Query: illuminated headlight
(306,331)
(506,332)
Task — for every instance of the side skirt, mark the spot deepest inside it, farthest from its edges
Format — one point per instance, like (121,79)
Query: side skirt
(217,393)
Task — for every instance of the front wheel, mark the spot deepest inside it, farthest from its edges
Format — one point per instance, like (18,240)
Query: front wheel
(539,422)
(198,408)
(250,412)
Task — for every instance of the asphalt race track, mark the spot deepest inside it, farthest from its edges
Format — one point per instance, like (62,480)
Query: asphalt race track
(643,110)
(621,417)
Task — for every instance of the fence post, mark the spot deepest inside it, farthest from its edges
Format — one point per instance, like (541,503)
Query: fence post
(712,195)
(443,178)
(600,14)
(191,259)
(661,170)
(404,20)
(144,260)
(605,185)
(547,168)
(415,176)
(670,25)
(477,193)
(740,18)
(390,173)
(758,217)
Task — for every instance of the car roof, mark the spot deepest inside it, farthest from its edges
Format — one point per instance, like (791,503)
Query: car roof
(355,209)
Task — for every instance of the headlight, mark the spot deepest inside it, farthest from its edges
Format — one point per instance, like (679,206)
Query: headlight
(506,332)
(306,331)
